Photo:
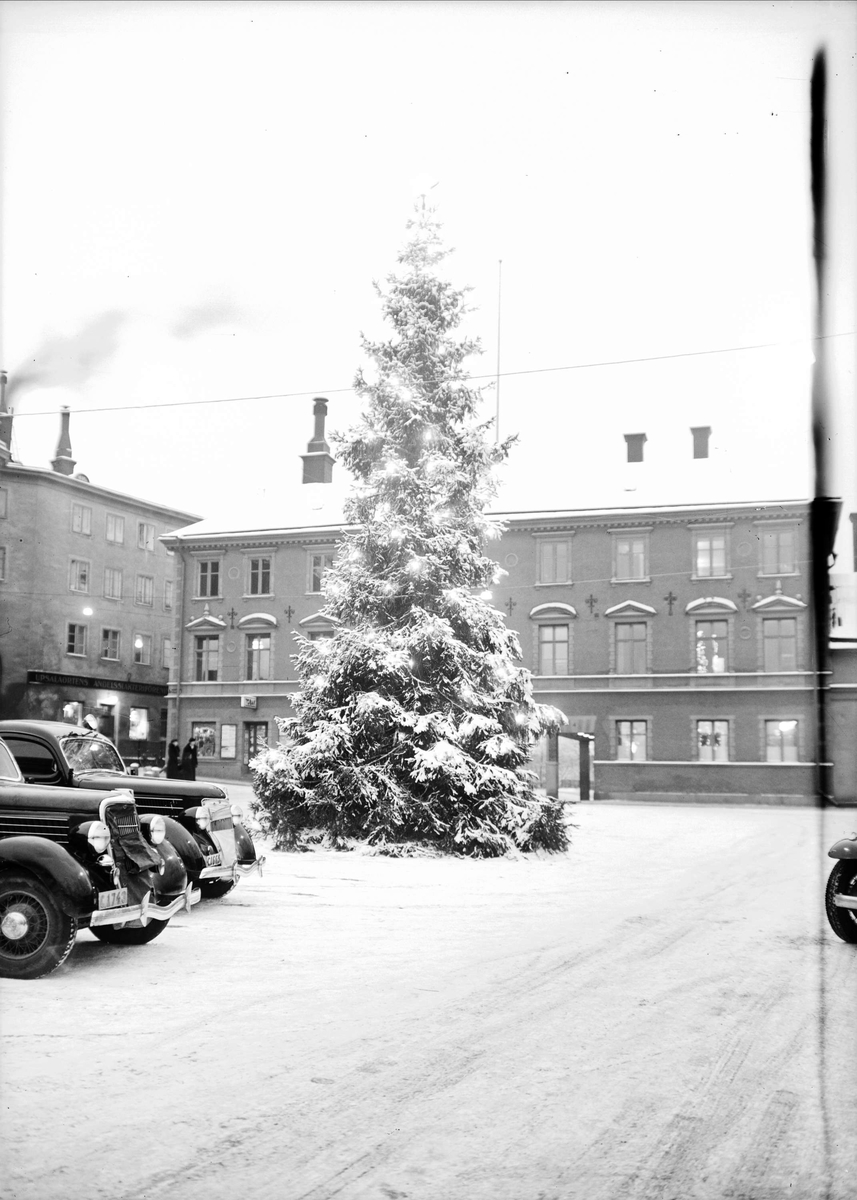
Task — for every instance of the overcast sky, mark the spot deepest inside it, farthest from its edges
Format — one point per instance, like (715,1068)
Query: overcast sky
(197,197)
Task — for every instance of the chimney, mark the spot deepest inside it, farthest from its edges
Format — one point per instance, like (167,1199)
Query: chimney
(318,463)
(5,423)
(63,463)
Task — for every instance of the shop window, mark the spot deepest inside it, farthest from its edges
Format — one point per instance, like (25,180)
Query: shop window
(138,724)
(206,657)
(779,642)
(259,577)
(76,639)
(712,741)
(554,560)
(115,529)
(204,733)
(81,519)
(781,741)
(632,741)
(145,590)
(631,647)
(112,583)
(553,649)
(711,642)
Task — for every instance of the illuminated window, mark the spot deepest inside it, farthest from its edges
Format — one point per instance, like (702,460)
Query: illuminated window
(712,741)
(711,642)
(781,741)
(709,555)
(631,739)
(258,658)
(143,649)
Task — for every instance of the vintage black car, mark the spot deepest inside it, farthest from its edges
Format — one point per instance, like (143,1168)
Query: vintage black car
(200,823)
(74,858)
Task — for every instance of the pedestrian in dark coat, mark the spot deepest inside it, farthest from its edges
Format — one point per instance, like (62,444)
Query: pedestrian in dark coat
(189,757)
(173,763)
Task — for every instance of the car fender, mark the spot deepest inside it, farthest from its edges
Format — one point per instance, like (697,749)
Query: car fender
(186,846)
(173,879)
(244,847)
(844,848)
(53,866)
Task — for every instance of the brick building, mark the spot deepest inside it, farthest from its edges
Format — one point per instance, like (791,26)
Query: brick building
(87,591)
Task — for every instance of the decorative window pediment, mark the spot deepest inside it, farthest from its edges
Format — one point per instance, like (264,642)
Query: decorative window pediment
(319,621)
(259,619)
(778,603)
(552,612)
(206,621)
(628,608)
(711,604)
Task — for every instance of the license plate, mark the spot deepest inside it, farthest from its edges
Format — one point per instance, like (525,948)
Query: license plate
(118,898)
(213,860)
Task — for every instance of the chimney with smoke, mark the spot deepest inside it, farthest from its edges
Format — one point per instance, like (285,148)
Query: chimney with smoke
(5,423)
(63,463)
(318,463)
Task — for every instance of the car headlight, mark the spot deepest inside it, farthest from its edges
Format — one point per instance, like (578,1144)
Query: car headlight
(154,829)
(237,812)
(98,836)
(202,817)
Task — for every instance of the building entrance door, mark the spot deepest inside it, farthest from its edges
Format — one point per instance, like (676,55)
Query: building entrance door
(255,739)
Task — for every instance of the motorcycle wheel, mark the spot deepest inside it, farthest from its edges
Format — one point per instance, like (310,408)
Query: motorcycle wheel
(843,921)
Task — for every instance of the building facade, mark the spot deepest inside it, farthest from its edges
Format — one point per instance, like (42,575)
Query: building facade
(87,590)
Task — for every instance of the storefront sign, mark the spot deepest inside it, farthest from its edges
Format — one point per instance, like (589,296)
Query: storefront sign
(89,681)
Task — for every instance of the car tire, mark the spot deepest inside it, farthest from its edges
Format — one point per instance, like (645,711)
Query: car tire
(36,936)
(213,889)
(843,921)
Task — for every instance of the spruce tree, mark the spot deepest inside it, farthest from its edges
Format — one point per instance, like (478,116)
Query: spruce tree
(415,721)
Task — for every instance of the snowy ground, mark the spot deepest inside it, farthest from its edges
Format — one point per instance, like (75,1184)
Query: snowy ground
(663,1012)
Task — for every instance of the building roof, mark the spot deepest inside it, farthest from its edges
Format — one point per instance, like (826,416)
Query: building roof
(80,483)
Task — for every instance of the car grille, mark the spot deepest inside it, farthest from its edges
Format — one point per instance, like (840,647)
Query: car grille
(52,825)
(124,826)
(222,830)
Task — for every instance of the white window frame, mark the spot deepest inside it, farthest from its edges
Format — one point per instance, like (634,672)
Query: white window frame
(207,562)
(146,536)
(553,625)
(169,594)
(798,732)
(81,519)
(329,554)
(617,739)
(710,532)
(113,571)
(77,625)
(143,590)
(543,541)
(118,522)
(697,721)
(142,656)
(74,565)
(106,629)
(248,575)
(249,676)
(768,620)
(208,652)
(766,528)
(631,535)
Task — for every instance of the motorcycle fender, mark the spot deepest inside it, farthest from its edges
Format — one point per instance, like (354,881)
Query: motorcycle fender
(173,881)
(844,848)
(68,882)
(244,847)
(186,846)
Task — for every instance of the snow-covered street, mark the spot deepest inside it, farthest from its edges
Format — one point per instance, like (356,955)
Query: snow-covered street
(662,1012)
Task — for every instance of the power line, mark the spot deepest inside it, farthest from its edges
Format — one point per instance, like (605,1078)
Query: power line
(587,366)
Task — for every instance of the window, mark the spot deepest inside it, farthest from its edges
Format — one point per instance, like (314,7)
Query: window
(781,741)
(634,443)
(554,561)
(166,652)
(145,536)
(110,644)
(712,741)
(228,737)
(4,502)
(76,640)
(779,551)
(143,649)
(779,641)
(204,733)
(112,583)
(169,589)
(207,655)
(630,556)
(259,581)
(78,576)
(138,724)
(709,555)
(258,656)
(208,577)
(553,649)
(700,434)
(318,564)
(145,592)
(631,647)
(115,529)
(711,641)
(631,740)
(81,519)
(2,563)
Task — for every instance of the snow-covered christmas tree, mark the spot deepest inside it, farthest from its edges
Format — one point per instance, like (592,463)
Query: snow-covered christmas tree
(415,721)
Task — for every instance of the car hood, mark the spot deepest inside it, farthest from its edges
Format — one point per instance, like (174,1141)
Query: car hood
(62,799)
(146,785)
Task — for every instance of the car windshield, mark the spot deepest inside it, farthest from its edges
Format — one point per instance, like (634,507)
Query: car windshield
(8,766)
(91,754)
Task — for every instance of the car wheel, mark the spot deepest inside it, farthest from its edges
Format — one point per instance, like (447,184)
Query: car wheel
(843,880)
(36,936)
(213,889)
(133,933)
